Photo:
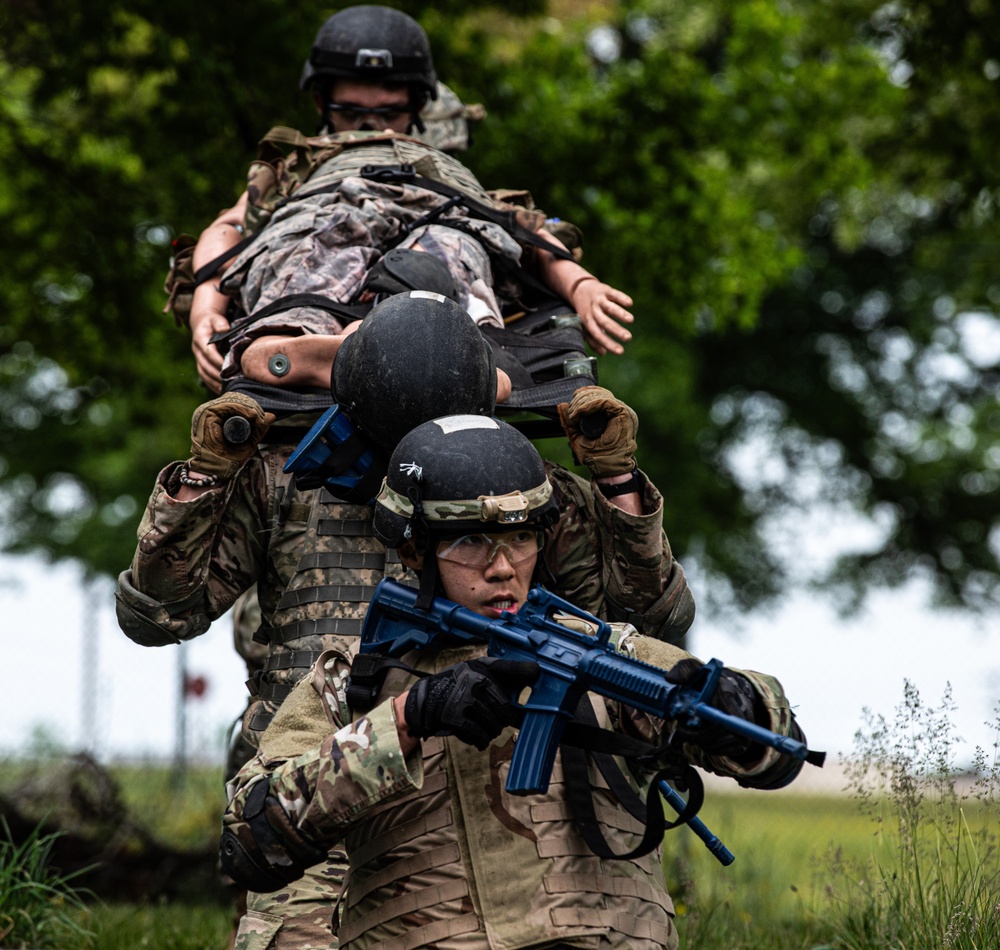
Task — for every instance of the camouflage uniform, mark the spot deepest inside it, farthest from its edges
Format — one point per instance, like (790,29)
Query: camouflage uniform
(315,563)
(246,622)
(337,225)
(441,856)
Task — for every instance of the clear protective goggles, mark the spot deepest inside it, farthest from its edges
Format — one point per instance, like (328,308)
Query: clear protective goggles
(480,550)
(356,113)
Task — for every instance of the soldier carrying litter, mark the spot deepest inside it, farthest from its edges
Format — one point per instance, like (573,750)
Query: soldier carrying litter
(441,854)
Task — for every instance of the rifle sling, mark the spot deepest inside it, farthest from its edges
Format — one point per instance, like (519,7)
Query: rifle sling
(580,795)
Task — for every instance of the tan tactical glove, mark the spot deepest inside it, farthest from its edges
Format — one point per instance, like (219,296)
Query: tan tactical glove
(601,431)
(218,449)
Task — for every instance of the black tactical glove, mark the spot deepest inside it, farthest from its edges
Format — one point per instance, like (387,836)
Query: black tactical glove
(733,695)
(218,445)
(470,700)
(601,430)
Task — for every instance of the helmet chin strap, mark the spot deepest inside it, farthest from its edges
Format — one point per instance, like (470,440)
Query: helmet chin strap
(428,583)
(422,539)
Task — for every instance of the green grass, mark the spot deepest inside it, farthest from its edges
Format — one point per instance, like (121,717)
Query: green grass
(810,871)
(38,906)
(908,861)
(774,894)
(158,927)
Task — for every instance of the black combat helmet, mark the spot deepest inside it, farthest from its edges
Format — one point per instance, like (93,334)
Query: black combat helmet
(460,475)
(374,44)
(414,356)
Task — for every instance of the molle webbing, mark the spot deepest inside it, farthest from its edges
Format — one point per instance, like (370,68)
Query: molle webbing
(606,814)
(345,529)
(584,883)
(291,660)
(399,835)
(351,560)
(363,883)
(273,692)
(320,627)
(575,846)
(634,927)
(418,863)
(372,853)
(328,593)
(426,936)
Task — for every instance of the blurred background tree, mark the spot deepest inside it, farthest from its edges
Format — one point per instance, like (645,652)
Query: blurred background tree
(799,195)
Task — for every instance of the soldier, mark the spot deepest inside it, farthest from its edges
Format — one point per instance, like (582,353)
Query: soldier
(229,517)
(370,73)
(440,854)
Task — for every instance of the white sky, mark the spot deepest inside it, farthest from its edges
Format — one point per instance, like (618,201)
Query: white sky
(830,668)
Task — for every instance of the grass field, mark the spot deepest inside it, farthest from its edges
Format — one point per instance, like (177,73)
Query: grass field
(908,861)
(774,895)
(803,864)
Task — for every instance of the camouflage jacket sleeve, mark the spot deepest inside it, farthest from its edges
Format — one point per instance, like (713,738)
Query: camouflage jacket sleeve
(772,770)
(194,558)
(617,565)
(313,775)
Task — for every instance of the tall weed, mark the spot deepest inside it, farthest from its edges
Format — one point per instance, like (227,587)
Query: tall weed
(933,878)
(38,906)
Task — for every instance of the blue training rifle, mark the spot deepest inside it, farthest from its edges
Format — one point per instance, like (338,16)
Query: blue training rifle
(571,663)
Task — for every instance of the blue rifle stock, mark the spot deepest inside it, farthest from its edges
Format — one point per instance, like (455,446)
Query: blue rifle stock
(570,664)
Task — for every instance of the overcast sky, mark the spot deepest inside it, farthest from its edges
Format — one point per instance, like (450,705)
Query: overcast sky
(830,668)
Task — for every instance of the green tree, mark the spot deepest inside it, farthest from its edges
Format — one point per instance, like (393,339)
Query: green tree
(799,196)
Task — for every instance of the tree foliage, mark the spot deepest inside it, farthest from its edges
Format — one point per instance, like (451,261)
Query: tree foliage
(799,195)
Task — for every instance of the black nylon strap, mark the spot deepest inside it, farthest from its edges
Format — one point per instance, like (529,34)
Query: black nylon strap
(350,313)
(504,219)
(209,270)
(273,692)
(584,733)
(281,401)
(579,795)
(261,720)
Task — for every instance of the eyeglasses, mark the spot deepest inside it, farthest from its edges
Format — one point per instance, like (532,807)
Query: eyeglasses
(480,550)
(354,113)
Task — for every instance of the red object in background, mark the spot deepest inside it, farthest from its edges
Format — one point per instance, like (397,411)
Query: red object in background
(195,687)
